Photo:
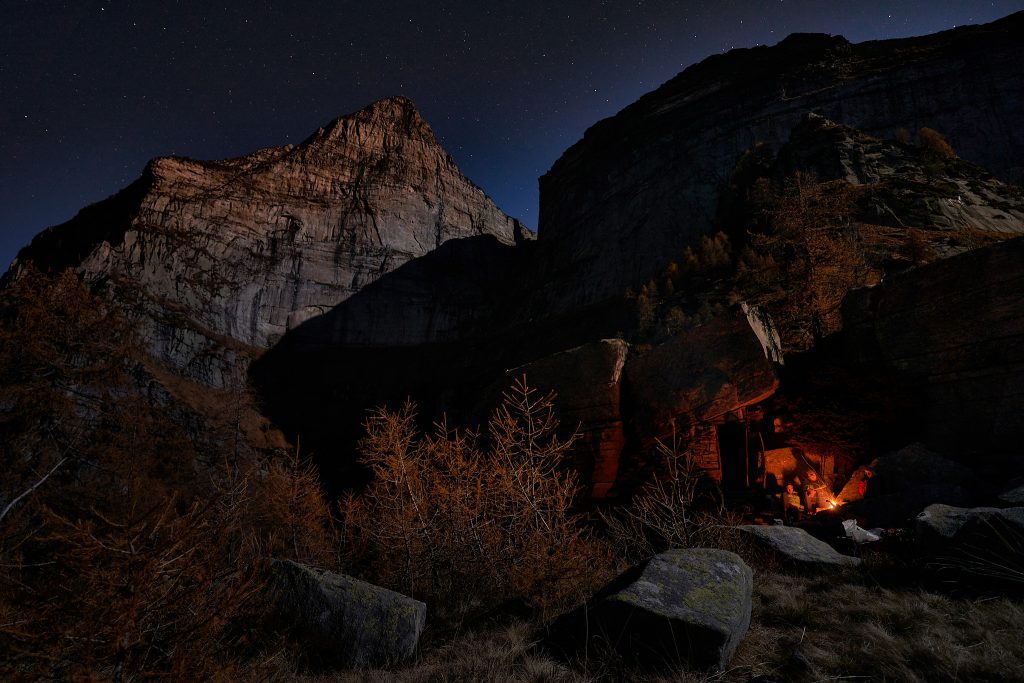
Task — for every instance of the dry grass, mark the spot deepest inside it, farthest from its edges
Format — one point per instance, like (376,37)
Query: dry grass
(504,654)
(848,627)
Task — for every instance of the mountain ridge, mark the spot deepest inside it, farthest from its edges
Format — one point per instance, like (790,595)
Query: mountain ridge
(251,246)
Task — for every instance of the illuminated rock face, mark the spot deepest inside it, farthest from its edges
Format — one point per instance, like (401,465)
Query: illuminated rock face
(219,259)
(641,186)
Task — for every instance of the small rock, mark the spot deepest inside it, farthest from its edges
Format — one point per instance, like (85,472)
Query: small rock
(1014,497)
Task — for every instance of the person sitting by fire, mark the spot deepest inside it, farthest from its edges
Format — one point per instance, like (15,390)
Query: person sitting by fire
(791,505)
(816,493)
(862,484)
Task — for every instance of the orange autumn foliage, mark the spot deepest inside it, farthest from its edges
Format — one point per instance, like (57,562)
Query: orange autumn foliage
(466,521)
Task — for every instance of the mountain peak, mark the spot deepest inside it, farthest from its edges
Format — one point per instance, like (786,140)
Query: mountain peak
(396,114)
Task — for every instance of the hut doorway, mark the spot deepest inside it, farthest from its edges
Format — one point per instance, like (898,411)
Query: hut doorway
(732,448)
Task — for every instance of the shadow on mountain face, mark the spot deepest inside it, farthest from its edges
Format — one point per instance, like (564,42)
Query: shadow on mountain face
(417,332)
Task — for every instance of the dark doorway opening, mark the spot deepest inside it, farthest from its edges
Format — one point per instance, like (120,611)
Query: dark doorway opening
(732,448)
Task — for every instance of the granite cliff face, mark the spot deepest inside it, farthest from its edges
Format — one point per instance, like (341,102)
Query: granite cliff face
(642,185)
(221,258)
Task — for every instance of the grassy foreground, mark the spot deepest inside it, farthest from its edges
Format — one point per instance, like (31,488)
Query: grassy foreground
(859,625)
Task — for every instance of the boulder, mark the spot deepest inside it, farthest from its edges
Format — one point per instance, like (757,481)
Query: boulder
(343,621)
(797,547)
(982,546)
(907,481)
(587,381)
(937,525)
(944,527)
(699,374)
(682,608)
(952,332)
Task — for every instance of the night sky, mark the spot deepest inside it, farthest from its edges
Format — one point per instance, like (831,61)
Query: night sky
(90,90)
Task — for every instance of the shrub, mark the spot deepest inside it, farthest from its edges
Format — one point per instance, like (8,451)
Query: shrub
(130,546)
(801,269)
(678,508)
(934,143)
(465,522)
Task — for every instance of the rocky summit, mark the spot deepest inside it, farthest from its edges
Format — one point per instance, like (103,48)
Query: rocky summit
(220,258)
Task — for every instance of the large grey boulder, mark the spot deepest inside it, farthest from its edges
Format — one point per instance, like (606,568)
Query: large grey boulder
(797,547)
(345,621)
(984,546)
(683,608)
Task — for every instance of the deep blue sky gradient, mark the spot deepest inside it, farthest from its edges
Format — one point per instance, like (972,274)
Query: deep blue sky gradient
(91,90)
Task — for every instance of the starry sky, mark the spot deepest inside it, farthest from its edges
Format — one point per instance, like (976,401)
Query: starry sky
(90,90)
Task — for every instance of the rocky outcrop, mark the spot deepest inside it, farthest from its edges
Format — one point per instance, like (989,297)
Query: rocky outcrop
(698,375)
(954,332)
(682,608)
(216,255)
(360,267)
(639,187)
(796,547)
(908,185)
(344,621)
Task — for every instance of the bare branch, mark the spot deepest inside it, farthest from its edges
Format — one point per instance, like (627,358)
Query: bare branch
(31,488)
